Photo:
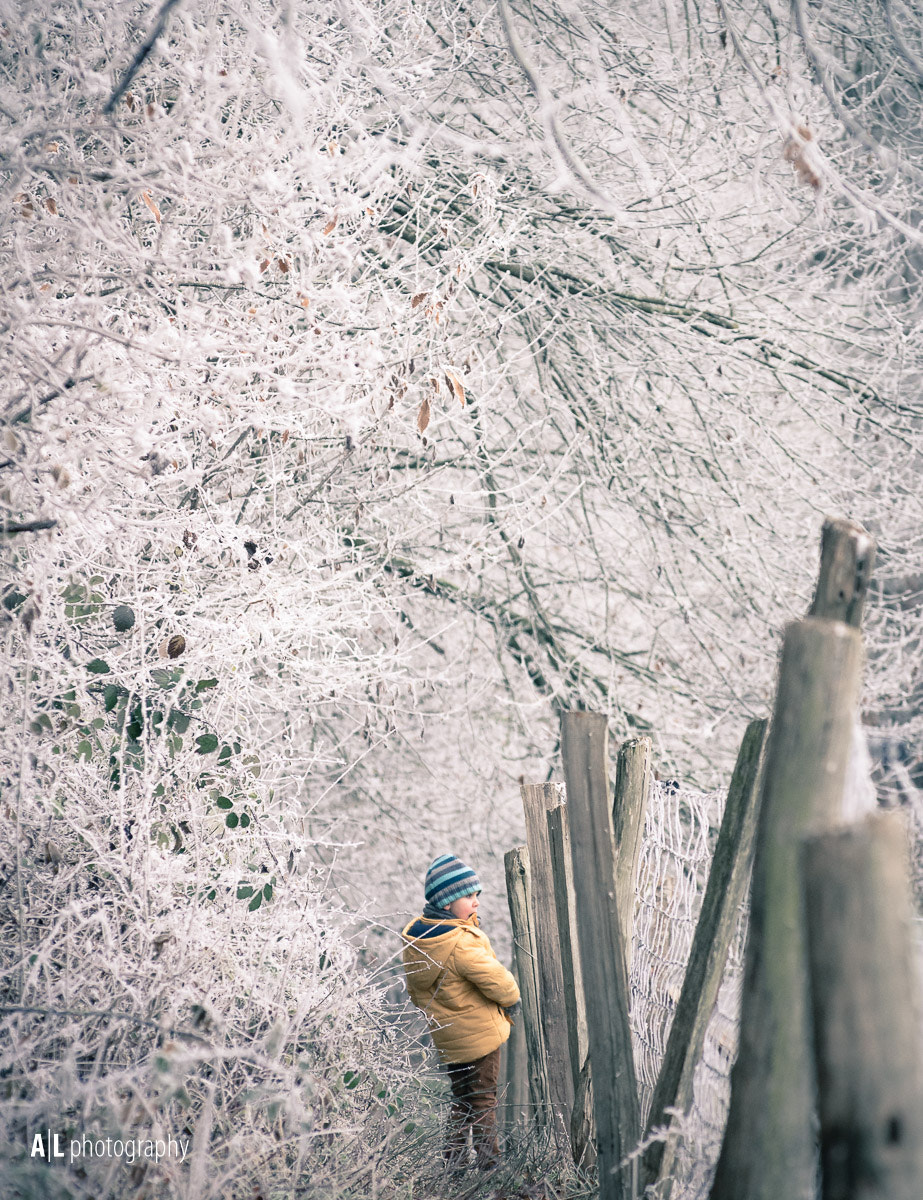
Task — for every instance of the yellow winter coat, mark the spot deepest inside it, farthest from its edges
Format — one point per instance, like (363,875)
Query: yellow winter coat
(462,987)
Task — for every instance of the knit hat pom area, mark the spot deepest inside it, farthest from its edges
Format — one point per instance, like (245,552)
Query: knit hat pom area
(448,879)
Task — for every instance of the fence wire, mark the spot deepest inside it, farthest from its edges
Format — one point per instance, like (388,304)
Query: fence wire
(681,829)
(680,833)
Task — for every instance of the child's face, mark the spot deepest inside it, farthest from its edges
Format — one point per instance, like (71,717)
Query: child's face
(464,906)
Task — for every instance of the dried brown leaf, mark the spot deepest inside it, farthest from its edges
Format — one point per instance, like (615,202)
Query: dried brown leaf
(423,415)
(456,387)
(148,200)
(418,299)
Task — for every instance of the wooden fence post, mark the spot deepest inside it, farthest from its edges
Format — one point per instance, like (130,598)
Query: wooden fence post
(768,1148)
(725,892)
(537,798)
(516,862)
(602,954)
(866,1008)
(847,555)
(581,1128)
(633,775)
(516,1075)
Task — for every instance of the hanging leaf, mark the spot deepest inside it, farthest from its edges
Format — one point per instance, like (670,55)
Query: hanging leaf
(331,225)
(206,743)
(155,211)
(423,415)
(418,299)
(455,386)
(98,666)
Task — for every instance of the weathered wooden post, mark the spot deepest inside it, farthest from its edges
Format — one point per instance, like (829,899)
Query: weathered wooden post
(634,773)
(768,1149)
(581,1127)
(866,1009)
(516,863)
(724,894)
(847,556)
(516,1073)
(537,798)
(602,953)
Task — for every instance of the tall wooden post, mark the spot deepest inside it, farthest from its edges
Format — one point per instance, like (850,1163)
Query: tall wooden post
(866,1009)
(634,773)
(768,1148)
(602,954)
(581,1127)
(847,555)
(518,891)
(537,798)
(724,894)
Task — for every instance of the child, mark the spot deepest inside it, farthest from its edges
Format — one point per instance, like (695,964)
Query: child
(465,992)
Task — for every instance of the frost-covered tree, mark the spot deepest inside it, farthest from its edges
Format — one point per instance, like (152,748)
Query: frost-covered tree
(380,380)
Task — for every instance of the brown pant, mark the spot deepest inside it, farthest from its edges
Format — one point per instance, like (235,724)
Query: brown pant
(474,1091)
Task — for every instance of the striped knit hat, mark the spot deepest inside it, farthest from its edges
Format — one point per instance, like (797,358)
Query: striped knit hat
(449,879)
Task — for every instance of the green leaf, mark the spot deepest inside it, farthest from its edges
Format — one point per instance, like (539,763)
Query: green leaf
(351,1079)
(84,751)
(267,891)
(255,902)
(110,696)
(123,618)
(204,684)
(206,743)
(224,802)
(244,891)
(232,820)
(225,755)
(166,679)
(178,720)
(244,820)
(98,667)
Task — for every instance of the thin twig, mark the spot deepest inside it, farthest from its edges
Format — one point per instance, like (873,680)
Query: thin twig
(143,51)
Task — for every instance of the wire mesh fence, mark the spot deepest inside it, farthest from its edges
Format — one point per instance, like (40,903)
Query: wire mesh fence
(681,828)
